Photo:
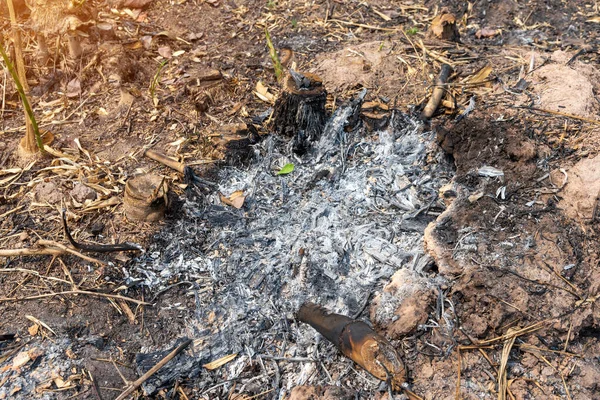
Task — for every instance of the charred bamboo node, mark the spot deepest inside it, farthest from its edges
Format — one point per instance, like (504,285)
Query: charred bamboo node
(300,109)
(357,341)
(146,198)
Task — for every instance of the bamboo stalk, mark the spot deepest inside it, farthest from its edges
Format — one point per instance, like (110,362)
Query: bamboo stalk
(29,142)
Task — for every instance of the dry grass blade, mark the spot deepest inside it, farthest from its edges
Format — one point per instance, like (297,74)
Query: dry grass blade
(41,323)
(459,367)
(515,333)
(32,272)
(508,345)
(562,114)
(220,362)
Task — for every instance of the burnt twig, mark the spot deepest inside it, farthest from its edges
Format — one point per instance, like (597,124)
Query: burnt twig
(98,248)
(133,386)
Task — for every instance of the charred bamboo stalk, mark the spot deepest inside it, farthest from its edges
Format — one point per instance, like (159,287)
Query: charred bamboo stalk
(438,92)
(300,109)
(357,341)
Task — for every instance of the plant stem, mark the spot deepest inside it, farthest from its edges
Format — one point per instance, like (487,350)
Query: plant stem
(21,90)
(274,56)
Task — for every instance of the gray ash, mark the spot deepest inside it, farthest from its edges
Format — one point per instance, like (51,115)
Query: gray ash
(333,231)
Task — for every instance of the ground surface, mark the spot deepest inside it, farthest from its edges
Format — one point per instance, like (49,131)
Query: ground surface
(513,254)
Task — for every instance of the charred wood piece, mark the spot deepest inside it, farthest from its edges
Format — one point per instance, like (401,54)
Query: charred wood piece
(300,110)
(438,92)
(357,341)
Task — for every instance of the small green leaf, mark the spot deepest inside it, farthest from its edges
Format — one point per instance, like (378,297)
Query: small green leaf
(287,168)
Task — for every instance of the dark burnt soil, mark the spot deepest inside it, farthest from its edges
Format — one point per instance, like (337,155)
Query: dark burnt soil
(508,264)
(517,264)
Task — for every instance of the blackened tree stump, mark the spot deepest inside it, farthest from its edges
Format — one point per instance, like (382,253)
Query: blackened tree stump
(300,110)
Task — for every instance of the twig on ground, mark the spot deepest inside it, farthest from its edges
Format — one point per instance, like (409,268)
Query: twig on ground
(562,114)
(372,27)
(288,359)
(41,296)
(95,387)
(51,243)
(165,160)
(137,383)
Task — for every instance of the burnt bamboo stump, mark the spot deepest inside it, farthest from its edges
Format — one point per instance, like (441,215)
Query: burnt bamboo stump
(145,198)
(300,110)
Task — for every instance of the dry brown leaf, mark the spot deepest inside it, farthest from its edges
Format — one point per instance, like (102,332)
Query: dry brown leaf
(165,52)
(480,76)
(60,382)
(21,359)
(71,354)
(594,19)
(262,92)
(74,88)
(38,322)
(136,3)
(220,362)
(134,45)
(33,329)
(438,23)
(444,26)
(235,200)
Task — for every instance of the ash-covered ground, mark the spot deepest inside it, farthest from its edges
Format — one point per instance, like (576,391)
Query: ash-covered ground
(333,232)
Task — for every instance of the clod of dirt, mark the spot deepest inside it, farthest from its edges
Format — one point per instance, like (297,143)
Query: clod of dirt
(321,393)
(368,65)
(81,193)
(523,150)
(567,88)
(582,189)
(403,305)
(48,192)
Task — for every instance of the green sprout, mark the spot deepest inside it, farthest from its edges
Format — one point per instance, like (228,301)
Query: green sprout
(274,56)
(412,31)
